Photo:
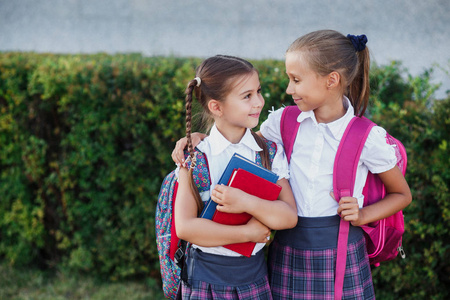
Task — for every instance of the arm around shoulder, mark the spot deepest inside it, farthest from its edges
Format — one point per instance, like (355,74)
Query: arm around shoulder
(178,151)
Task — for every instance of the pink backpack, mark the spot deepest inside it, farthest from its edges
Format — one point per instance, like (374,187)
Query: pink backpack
(384,237)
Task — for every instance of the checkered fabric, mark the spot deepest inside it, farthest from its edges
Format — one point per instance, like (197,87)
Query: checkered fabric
(201,290)
(309,274)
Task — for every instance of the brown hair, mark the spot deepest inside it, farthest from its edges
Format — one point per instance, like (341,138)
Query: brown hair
(329,51)
(218,75)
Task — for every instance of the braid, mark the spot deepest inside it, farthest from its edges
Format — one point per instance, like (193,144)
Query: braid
(188,92)
(214,80)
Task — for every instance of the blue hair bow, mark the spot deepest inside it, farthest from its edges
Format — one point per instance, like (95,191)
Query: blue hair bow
(358,41)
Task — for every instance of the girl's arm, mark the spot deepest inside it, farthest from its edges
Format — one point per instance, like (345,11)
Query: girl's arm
(277,215)
(398,196)
(204,232)
(178,152)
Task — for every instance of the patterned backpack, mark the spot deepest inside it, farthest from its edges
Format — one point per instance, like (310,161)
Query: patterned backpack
(384,237)
(166,238)
(170,247)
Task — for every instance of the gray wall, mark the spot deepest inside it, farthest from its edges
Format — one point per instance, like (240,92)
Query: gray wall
(415,32)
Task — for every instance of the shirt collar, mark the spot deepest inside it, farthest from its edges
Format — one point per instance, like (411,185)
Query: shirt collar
(219,143)
(336,127)
(305,115)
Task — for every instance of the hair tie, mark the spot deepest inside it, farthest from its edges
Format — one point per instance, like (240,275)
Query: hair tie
(358,41)
(191,161)
(199,81)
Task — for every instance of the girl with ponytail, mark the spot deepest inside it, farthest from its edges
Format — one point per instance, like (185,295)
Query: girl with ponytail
(329,83)
(229,94)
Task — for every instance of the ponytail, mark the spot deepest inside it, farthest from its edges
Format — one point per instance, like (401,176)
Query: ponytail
(359,88)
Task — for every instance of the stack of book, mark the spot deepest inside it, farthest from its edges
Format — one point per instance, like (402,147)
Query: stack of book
(251,178)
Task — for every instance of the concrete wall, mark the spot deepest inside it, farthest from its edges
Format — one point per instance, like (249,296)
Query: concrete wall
(415,32)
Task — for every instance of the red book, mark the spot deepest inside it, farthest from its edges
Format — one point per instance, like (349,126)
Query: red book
(256,186)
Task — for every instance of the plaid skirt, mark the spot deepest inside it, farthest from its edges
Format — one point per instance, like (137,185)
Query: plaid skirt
(302,262)
(223,277)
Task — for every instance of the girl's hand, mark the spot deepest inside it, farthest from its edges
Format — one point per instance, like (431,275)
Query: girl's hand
(349,209)
(178,152)
(257,231)
(229,199)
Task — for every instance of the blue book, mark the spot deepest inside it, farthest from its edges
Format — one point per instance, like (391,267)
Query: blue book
(237,161)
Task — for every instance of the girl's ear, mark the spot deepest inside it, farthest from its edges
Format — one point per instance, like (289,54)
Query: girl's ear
(333,80)
(215,107)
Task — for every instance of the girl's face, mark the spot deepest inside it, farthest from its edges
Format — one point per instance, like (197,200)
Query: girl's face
(307,88)
(241,108)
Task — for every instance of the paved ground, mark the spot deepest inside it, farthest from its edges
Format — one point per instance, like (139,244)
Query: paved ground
(415,32)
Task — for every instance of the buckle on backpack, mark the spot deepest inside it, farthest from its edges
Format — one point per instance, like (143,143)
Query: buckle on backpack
(401,251)
(178,257)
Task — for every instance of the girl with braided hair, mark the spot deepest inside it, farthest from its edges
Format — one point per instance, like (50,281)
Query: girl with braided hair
(229,92)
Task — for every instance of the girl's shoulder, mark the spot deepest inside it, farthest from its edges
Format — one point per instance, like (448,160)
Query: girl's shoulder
(377,153)
(270,143)
(200,159)
(270,128)
(376,135)
(200,172)
(204,145)
(276,114)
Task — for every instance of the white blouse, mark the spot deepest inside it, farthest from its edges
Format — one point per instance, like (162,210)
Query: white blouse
(219,151)
(312,160)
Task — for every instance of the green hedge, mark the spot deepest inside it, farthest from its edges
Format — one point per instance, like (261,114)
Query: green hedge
(85,143)
(86,140)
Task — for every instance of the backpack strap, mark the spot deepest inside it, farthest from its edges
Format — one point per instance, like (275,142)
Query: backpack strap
(203,182)
(289,128)
(344,175)
(348,154)
(271,147)
(201,171)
